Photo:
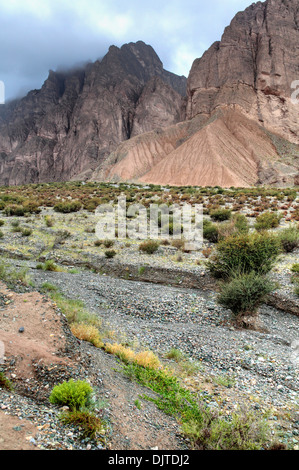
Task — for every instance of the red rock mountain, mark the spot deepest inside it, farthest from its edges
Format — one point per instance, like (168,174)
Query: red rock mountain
(241,126)
(125,118)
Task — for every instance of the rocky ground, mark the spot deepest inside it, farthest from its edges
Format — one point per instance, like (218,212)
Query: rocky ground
(258,369)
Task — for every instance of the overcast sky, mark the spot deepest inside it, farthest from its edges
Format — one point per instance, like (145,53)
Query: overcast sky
(39,35)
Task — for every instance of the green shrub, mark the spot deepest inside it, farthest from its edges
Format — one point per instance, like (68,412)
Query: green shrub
(91,204)
(267,220)
(67,206)
(50,265)
(172,229)
(237,224)
(244,431)
(244,253)
(49,221)
(16,229)
(289,238)
(15,223)
(149,246)
(219,215)
(108,243)
(110,254)
(295,268)
(14,210)
(20,210)
(175,354)
(2,222)
(76,395)
(244,293)
(26,232)
(210,232)
(31,207)
(241,223)
(1,234)
(5,382)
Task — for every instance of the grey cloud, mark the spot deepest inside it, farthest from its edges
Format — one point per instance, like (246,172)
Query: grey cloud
(31,45)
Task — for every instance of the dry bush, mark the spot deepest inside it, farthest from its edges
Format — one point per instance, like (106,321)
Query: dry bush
(143,358)
(88,333)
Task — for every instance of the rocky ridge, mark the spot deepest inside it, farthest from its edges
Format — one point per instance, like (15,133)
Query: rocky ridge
(79,117)
(239,103)
(234,122)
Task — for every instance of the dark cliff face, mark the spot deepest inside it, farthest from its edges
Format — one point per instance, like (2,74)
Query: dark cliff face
(78,118)
(252,68)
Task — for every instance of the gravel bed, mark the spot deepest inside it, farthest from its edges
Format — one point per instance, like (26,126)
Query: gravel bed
(161,317)
(263,366)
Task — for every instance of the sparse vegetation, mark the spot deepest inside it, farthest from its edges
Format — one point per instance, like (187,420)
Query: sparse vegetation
(206,430)
(12,276)
(241,256)
(68,206)
(175,354)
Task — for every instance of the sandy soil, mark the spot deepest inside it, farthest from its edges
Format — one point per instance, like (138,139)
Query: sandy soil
(42,338)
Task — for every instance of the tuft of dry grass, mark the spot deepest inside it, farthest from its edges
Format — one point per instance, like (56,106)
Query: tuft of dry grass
(147,359)
(143,358)
(86,332)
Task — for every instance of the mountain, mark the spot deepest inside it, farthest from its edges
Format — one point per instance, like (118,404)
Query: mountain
(252,68)
(79,117)
(241,125)
(233,122)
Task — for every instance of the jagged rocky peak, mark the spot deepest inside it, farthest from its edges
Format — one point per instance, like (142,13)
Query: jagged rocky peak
(253,68)
(80,116)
